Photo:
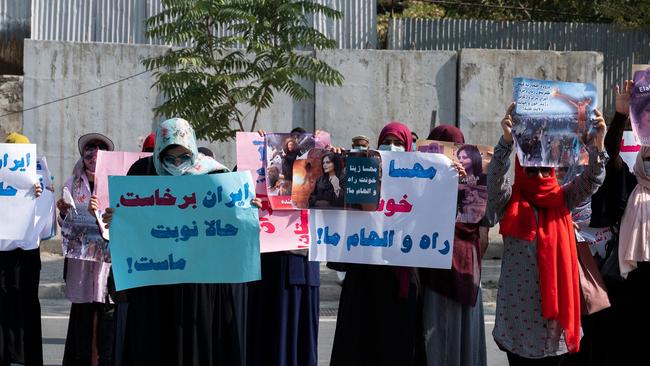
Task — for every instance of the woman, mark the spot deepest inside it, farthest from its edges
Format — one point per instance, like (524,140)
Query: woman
(452,314)
(20,310)
(290,153)
(470,157)
(377,320)
(329,190)
(538,302)
(184,324)
(91,327)
(282,308)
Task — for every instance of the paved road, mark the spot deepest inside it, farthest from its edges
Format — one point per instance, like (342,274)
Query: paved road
(55,324)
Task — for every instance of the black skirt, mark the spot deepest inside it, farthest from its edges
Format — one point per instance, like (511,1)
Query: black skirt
(20,310)
(186,324)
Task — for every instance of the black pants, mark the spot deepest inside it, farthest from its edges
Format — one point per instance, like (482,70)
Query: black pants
(515,360)
(20,309)
(91,335)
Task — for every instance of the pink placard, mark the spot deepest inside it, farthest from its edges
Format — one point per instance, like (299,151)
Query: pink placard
(112,163)
(280,230)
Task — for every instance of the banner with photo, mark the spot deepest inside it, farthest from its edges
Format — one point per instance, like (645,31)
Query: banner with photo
(551,121)
(82,237)
(413,226)
(279,230)
(640,106)
(187,229)
(472,190)
(326,180)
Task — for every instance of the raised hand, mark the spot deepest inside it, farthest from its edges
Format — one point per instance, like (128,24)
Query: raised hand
(623,97)
(506,123)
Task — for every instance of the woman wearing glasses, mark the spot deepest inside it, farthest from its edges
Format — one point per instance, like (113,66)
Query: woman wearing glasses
(538,301)
(91,325)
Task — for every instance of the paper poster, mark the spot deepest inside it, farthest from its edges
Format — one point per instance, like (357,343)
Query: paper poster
(630,148)
(17,179)
(45,204)
(551,121)
(472,190)
(112,163)
(640,106)
(282,150)
(413,226)
(81,236)
(280,230)
(326,180)
(186,229)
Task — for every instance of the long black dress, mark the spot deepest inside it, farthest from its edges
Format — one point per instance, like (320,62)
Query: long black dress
(20,310)
(185,324)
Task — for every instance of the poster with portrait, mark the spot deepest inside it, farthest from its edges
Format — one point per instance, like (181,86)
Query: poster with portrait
(282,151)
(551,121)
(640,106)
(472,189)
(344,181)
(82,238)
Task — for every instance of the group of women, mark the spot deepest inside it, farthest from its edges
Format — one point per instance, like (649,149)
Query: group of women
(387,315)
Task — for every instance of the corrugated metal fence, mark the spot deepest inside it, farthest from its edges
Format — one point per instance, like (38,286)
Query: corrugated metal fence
(14,27)
(123,21)
(621,48)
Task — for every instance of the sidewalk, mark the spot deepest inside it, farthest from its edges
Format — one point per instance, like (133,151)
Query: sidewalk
(52,286)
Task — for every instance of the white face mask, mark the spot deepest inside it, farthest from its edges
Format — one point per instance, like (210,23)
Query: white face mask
(646,167)
(181,169)
(391,147)
(359,148)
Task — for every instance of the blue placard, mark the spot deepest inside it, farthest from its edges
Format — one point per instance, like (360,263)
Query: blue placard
(189,229)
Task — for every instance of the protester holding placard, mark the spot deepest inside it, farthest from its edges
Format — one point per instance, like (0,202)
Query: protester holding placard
(538,302)
(283,307)
(377,321)
(20,309)
(452,311)
(598,346)
(181,324)
(91,324)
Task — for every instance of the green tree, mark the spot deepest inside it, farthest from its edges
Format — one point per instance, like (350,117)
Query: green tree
(210,82)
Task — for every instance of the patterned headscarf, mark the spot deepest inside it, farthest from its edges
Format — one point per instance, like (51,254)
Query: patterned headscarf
(177,131)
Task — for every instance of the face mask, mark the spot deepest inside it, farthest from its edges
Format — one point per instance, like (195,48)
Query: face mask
(414,147)
(391,147)
(90,160)
(181,169)
(646,167)
(359,148)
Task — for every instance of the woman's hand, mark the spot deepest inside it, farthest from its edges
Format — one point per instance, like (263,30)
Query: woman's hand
(38,190)
(334,180)
(460,168)
(623,97)
(256,202)
(107,217)
(506,123)
(93,205)
(63,207)
(262,132)
(601,129)
(334,149)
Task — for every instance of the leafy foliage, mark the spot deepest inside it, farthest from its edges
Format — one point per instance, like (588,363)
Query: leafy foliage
(210,81)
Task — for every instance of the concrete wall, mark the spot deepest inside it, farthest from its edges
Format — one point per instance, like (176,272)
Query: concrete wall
(485,83)
(11,100)
(123,111)
(381,86)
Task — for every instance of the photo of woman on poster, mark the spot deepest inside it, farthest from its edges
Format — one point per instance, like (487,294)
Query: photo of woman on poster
(640,106)
(470,157)
(329,190)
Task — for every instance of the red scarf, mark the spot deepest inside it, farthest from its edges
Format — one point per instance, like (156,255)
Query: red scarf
(556,246)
